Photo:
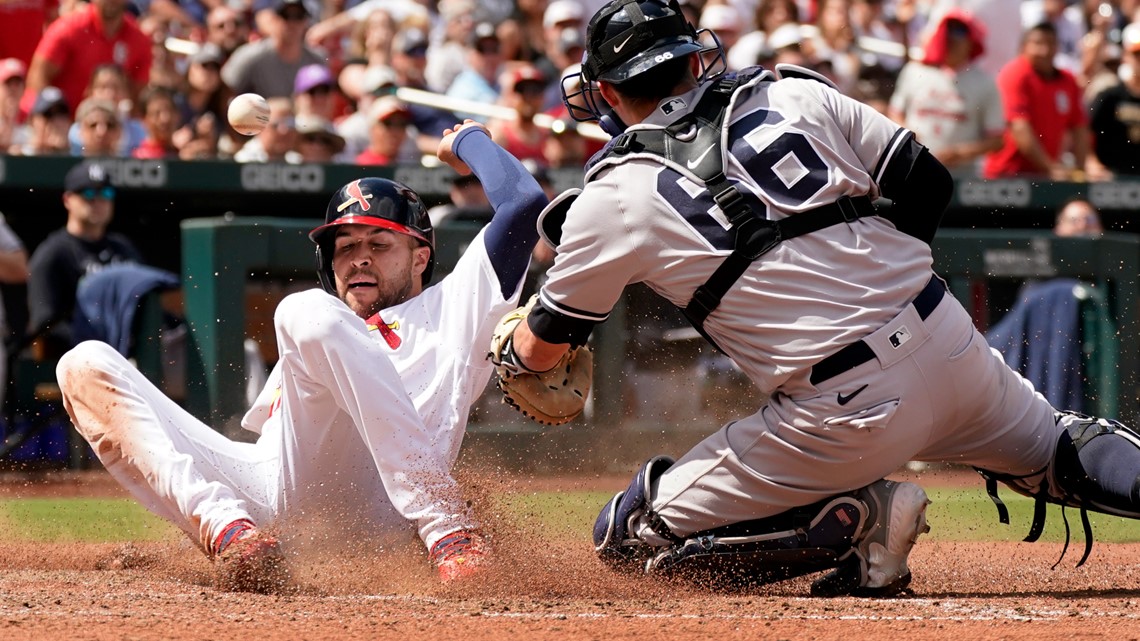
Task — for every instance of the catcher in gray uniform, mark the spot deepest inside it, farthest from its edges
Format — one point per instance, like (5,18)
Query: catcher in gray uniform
(746,200)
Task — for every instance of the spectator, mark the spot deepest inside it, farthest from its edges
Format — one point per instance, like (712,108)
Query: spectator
(227,29)
(317,141)
(446,58)
(356,129)
(371,38)
(769,16)
(565,147)
(160,116)
(563,24)
(566,51)
(1078,218)
(99,128)
(276,142)
(1115,112)
(82,247)
(479,80)
(786,45)
(467,201)
(313,91)
(951,106)
(109,82)
(268,66)
(13,270)
(73,46)
(409,62)
(1068,24)
(523,33)
(723,20)
(1042,105)
(834,41)
(46,131)
(521,137)
(13,74)
(164,69)
(869,21)
(390,121)
(203,106)
(1002,20)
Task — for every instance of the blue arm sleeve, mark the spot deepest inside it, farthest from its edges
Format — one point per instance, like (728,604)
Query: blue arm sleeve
(517,199)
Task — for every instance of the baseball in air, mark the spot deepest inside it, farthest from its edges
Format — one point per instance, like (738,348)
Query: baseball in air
(248,114)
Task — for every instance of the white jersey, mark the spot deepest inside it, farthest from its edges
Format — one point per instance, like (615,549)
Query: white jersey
(441,364)
(793,145)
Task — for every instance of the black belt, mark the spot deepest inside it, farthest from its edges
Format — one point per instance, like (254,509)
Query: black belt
(860,352)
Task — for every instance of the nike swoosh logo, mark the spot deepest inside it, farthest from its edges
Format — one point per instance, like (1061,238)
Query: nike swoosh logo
(843,400)
(618,48)
(697,161)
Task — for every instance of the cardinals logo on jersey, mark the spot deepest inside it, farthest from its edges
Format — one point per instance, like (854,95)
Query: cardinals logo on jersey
(387,330)
(355,195)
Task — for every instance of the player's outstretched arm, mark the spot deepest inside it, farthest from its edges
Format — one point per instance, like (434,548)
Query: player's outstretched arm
(514,194)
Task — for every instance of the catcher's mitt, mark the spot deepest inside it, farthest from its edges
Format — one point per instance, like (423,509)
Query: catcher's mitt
(553,397)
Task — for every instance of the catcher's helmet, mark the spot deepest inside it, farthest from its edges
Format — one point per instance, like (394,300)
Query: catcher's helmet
(626,38)
(377,202)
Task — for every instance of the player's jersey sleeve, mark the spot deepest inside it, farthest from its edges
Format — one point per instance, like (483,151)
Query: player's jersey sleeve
(873,137)
(597,257)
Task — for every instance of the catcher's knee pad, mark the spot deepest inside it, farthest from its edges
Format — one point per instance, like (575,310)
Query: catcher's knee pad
(1096,467)
(797,542)
(613,541)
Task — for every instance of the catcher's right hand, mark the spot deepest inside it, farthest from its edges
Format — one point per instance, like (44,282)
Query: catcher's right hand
(553,397)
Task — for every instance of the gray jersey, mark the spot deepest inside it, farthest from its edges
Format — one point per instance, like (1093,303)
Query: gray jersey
(792,146)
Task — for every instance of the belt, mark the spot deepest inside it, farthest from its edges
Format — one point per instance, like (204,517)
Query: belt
(860,352)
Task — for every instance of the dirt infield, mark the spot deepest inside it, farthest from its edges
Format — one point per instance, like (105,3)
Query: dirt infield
(547,590)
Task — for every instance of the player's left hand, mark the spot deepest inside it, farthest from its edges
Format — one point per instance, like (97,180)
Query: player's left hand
(446,153)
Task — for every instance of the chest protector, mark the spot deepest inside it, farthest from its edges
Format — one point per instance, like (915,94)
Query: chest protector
(692,144)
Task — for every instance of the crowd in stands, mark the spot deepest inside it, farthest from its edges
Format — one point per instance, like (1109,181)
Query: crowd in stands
(1048,88)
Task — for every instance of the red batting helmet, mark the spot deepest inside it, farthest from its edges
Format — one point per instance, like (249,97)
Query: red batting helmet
(377,202)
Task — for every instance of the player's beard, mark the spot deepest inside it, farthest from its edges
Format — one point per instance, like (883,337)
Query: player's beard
(392,289)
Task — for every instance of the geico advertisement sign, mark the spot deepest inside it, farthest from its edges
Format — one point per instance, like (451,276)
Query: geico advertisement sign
(996,193)
(257,177)
(124,173)
(1115,195)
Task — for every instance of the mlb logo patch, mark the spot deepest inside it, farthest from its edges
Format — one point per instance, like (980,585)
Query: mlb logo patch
(899,337)
(673,105)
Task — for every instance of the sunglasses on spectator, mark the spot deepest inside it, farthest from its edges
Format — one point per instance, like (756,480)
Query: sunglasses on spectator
(94,124)
(487,47)
(91,193)
(57,112)
(295,16)
(395,123)
(319,90)
(530,88)
(416,52)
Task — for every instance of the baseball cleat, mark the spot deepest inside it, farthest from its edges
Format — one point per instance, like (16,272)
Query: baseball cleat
(896,516)
(249,560)
(458,555)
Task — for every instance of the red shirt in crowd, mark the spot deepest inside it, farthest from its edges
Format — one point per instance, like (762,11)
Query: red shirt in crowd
(1052,106)
(21,26)
(76,44)
(369,157)
(150,149)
